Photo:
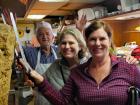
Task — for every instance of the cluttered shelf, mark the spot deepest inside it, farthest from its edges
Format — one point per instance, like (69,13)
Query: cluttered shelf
(117,15)
(100,12)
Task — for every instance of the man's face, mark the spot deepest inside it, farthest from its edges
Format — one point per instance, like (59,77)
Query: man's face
(45,37)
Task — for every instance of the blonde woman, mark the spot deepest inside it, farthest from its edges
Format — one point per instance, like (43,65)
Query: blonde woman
(73,51)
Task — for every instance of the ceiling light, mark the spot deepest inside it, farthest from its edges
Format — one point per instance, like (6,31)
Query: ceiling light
(53,0)
(36,16)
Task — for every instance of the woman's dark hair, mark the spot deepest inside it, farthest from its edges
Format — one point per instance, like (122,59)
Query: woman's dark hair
(96,25)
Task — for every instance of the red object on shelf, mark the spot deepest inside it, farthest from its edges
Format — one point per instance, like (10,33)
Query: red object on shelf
(136,53)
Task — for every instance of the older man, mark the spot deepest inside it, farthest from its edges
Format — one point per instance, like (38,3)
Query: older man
(41,57)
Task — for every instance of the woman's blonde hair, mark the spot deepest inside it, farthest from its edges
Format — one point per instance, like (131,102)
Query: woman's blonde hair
(78,36)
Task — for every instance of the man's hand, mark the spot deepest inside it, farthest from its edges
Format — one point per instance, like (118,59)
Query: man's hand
(131,60)
(80,24)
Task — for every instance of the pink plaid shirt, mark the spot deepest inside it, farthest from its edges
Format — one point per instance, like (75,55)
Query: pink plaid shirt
(111,91)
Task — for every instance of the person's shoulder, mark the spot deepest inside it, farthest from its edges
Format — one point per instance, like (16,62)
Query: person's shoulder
(56,62)
(78,71)
(55,47)
(52,69)
(79,68)
(123,64)
(122,61)
(54,65)
(29,49)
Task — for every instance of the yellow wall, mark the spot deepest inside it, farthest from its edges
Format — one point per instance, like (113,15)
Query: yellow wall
(117,32)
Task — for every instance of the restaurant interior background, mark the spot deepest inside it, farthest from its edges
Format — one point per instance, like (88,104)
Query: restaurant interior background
(61,13)
(122,15)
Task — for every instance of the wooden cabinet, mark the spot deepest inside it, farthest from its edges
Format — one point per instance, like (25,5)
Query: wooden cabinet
(125,30)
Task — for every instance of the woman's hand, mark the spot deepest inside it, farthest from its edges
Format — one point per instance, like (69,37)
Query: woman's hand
(33,75)
(37,77)
(131,60)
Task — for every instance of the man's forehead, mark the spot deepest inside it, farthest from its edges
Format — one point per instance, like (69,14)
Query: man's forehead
(43,24)
(44,29)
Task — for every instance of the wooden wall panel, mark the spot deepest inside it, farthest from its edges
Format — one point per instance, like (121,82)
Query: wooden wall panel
(130,34)
(117,31)
(124,31)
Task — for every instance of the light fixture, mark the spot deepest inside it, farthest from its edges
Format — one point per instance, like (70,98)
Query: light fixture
(137,28)
(36,16)
(53,0)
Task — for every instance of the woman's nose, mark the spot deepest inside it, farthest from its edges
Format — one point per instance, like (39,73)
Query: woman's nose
(67,45)
(98,42)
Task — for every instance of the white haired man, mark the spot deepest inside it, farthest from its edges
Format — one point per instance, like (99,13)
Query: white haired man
(40,58)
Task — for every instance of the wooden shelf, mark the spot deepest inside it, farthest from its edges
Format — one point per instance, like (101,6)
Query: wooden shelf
(130,14)
(131,31)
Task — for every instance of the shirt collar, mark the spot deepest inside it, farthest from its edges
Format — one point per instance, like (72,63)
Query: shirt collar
(114,62)
(64,62)
(42,53)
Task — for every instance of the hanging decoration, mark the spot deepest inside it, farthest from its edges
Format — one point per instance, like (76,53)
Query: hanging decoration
(21,33)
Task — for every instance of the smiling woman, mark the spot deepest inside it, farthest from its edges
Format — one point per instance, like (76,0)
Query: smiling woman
(71,37)
(69,46)
(73,50)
